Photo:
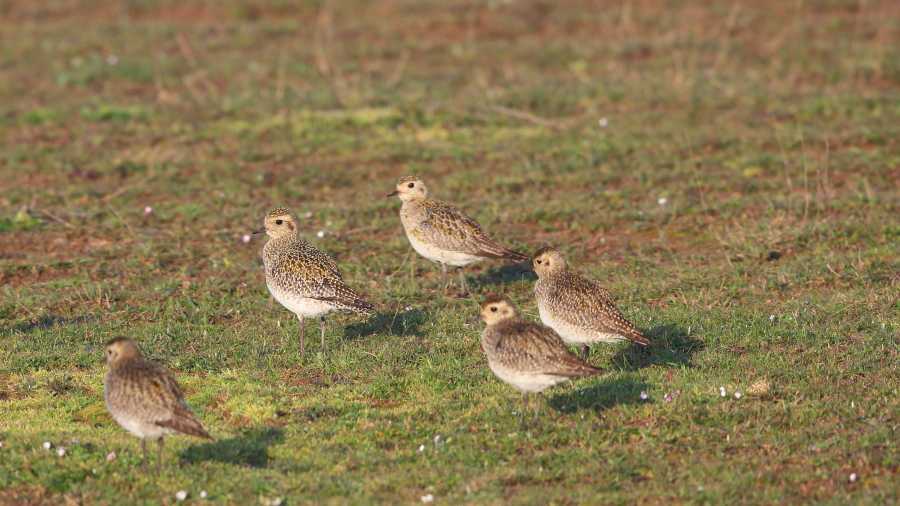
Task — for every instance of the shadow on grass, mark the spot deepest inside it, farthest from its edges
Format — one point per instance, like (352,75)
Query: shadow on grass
(46,322)
(251,449)
(507,274)
(605,393)
(671,348)
(398,323)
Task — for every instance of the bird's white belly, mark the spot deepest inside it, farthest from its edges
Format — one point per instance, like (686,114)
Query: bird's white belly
(527,382)
(304,306)
(435,254)
(144,430)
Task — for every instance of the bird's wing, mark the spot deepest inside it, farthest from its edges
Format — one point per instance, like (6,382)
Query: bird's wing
(308,272)
(593,308)
(537,349)
(449,228)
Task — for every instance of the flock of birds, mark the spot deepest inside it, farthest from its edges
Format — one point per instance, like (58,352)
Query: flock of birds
(144,398)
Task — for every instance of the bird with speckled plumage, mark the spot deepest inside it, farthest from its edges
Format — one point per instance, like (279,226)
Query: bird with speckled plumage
(303,279)
(526,355)
(444,234)
(579,309)
(144,398)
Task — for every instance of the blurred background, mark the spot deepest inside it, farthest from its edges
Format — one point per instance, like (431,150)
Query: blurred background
(727,169)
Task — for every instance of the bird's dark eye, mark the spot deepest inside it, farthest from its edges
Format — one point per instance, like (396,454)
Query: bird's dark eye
(411,185)
(540,261)
(493,308)
(279,222)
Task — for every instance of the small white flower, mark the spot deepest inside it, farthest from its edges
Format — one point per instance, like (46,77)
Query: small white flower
(74,442)
(738,395)
(111,456)
(61,451)
(427,498)
(246,238)
(308,214)
(771,318)
(221,195)
(439,439)
(662,201)
(409,308)
(276,501)
(148,210)
(203,494)
(47,445)
(603,122)
(722,391)
(644,396)
(421,448)
(853,477)
(181,495)
(112,59)
(320,233)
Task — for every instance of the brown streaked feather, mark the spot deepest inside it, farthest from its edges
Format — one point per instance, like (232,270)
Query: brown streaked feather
(592,306)
(359,305)
(300,269)
(534,348)
(449,228)
(186,423)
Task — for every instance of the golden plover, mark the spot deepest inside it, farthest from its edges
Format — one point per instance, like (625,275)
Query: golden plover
(144,397)
(442,233)
(527,355)
(579,309)
(303,279)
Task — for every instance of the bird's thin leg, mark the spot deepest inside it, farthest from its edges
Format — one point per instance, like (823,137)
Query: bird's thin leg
(537,408)
(585,352)
(443,278)
(524,408)
(159,444)
(302,331)
(462,283)
(144,447)
(323,336)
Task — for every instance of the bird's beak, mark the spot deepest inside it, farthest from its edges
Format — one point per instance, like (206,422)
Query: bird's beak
(393,193)
(260,230)
(530,267)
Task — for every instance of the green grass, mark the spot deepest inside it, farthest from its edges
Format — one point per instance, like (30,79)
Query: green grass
(772,268)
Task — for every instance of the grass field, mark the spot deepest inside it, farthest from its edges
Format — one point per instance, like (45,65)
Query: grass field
(729,171)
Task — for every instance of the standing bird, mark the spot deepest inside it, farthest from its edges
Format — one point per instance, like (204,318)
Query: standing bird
(145,399)
(527,355)
(302,278)
(444,234)
(579,309)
